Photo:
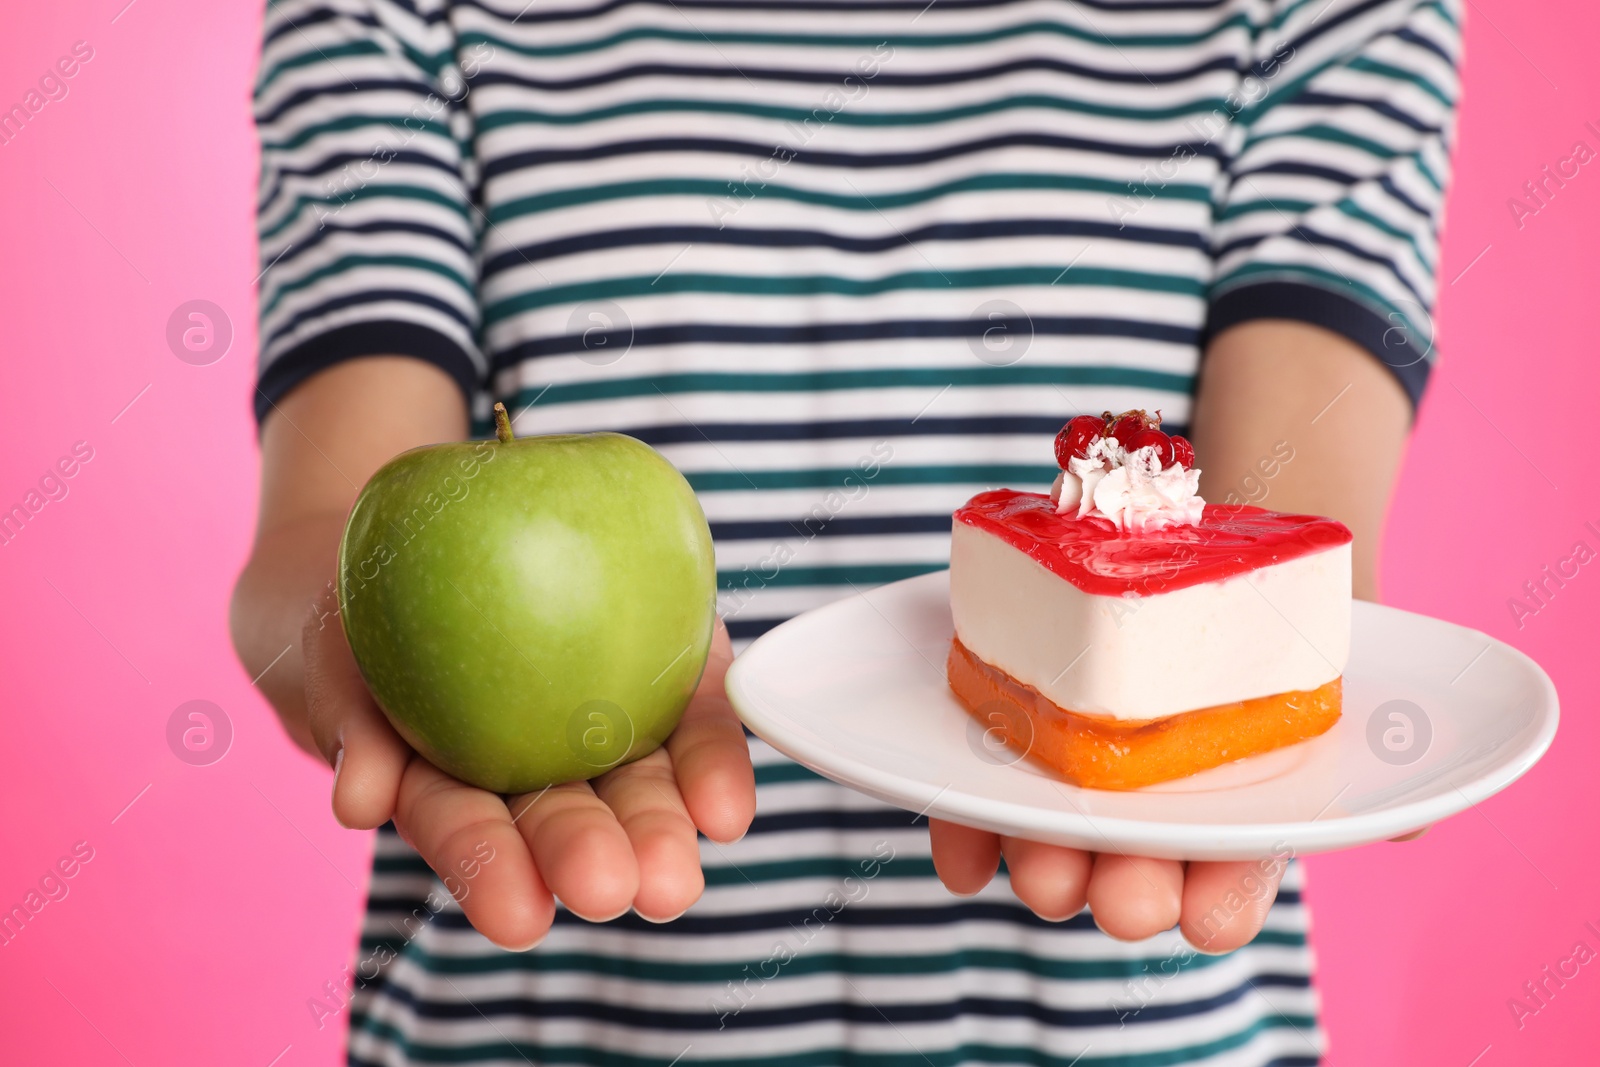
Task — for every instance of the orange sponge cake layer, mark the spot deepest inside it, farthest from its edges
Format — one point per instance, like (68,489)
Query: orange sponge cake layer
(1102,753)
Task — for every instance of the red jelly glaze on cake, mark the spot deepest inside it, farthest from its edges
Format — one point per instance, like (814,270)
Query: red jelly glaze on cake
(1098,558)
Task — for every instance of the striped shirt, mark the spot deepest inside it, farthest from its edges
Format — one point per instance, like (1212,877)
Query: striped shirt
(845,263)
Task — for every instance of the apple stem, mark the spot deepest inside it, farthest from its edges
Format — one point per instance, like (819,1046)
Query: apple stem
(502,424)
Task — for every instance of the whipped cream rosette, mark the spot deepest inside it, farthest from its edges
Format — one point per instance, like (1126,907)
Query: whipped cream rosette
(1126,470)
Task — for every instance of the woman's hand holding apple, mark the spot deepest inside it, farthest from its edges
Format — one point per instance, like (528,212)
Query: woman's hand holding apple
(625,840)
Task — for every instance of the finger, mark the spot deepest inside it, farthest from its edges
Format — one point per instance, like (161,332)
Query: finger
(645,800)
(1413,835)
(1225,904)
(965,858)
(467,837)
(1051,880)
(710,757)
(366,754)
(581,851)
(1134,897)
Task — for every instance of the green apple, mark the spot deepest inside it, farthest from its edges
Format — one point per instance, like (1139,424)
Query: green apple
(532,610)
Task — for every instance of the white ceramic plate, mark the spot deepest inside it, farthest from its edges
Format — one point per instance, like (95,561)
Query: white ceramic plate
(1437,717)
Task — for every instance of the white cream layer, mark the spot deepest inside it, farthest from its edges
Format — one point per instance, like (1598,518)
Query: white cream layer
(1279,628)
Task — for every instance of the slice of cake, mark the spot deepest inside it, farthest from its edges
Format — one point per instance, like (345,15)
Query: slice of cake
(1122,632)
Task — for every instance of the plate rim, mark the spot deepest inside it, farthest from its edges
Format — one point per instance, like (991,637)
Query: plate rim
(1140,836)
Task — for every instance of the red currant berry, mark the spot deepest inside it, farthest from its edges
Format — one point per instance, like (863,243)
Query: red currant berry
(1124,426)
(1183,450)
(1149,437)
(1074,438)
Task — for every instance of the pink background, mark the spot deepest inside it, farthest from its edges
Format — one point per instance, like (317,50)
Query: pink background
(225,896)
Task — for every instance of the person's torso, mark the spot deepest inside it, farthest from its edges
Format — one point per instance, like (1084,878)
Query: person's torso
(845,265)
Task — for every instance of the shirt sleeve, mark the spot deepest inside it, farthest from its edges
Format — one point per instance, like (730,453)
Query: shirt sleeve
(366,221)
(1338,150)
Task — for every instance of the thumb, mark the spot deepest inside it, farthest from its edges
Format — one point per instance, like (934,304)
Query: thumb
(367,756)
